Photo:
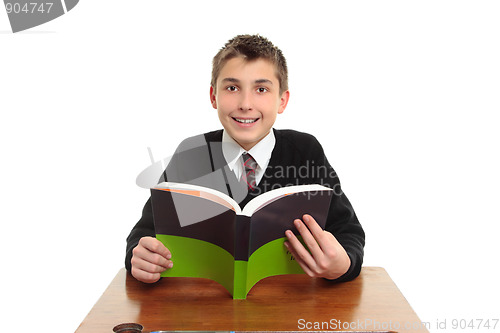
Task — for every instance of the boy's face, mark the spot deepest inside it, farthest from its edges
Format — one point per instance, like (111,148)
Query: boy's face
(248,100)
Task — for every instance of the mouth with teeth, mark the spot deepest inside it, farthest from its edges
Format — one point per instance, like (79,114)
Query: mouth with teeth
(245,120)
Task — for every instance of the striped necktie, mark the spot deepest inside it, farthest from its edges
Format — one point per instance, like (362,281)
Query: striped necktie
(249,165)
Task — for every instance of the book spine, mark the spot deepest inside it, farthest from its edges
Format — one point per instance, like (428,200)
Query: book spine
(242,238)
(240,279)
(241,251)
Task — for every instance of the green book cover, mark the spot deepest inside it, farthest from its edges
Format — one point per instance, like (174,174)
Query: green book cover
(209,236)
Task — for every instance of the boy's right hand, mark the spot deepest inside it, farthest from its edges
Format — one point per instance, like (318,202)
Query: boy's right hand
(149,258)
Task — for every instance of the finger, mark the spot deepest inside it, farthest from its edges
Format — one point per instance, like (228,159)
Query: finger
(149,266)
(142,254)
(155,246)
(301,262)
(300,252)
(314,227)
(309,240)
(144,276)
(322,237)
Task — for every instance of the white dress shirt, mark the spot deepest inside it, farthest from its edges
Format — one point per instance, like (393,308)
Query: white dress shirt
(261,153)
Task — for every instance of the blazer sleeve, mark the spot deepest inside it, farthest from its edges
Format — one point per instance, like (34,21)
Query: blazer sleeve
(144,227)
(190,161)
(342,221)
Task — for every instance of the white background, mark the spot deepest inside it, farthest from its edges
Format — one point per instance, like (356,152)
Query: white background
(404,97)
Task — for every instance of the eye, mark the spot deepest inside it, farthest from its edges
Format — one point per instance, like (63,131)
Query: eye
(262,90)
(231,88)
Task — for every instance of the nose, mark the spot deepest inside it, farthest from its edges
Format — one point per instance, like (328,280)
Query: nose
(245,101)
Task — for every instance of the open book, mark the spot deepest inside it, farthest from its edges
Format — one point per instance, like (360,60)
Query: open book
(209,236)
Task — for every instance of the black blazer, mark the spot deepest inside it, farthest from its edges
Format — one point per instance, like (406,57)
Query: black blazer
(297,159)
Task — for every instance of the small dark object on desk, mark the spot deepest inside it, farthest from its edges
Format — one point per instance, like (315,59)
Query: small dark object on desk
(128,328)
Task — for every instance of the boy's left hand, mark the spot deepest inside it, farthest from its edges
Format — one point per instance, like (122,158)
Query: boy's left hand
(326,257)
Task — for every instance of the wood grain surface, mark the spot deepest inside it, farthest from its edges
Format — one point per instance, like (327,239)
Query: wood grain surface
(372,302)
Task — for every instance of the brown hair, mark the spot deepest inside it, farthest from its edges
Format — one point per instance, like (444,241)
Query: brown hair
(251,47)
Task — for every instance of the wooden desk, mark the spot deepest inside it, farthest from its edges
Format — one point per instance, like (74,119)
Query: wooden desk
(280,303)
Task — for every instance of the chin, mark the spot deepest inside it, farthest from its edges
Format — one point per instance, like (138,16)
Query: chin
(245,140)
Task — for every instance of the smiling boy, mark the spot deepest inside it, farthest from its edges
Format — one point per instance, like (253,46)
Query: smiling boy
(249,88)
(248,98)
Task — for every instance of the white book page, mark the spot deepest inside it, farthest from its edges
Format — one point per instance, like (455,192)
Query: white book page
(268,197)
(204,192)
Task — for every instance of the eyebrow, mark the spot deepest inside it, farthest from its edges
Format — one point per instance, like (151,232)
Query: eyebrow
(234,80)
(264,81)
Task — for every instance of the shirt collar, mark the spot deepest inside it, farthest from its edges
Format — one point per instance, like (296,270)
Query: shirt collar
(261,152)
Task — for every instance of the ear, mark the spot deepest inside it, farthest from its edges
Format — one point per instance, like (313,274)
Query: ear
(213,99)
(284,101)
